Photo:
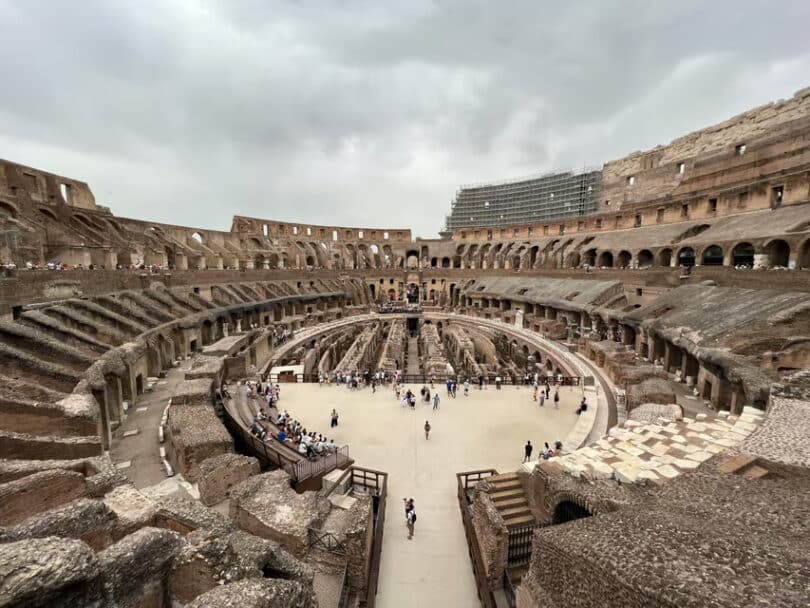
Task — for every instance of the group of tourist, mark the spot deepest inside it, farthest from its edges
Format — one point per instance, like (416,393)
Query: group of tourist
(355,379)
(546,453)
(290,431)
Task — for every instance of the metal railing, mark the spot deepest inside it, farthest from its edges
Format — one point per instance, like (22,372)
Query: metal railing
(466,483)
(343,595)
(326,541)
(509,590)
(519,551)
(305,469)
(376,481)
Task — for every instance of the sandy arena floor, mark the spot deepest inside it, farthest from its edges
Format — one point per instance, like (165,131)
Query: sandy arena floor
(488,429)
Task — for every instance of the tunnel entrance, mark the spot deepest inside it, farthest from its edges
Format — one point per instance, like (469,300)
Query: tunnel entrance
(568,511)
(413,327)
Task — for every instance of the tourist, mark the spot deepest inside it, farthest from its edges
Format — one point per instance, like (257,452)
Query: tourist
(409,506)
(527,451)
(583,406)
(455,386)
(545,451)
(449,387)
(427,429)
(302,448)
(282,435)
(435,402)
(334,418)
(556,398)
(542,399)
(332,447)
(410,519)
(466,388)
(534,394)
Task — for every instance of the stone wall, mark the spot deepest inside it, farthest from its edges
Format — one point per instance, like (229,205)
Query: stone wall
(194,435)
(492,535)
(218,474)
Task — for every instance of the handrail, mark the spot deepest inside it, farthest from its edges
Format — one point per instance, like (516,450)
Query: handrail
(304,469)
(326,540)
(343,594)
(485,594)
(509,590)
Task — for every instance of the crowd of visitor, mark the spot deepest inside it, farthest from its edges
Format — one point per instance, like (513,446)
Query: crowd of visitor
(283,427)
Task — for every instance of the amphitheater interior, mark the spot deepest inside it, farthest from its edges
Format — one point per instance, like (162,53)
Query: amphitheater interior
(680,305)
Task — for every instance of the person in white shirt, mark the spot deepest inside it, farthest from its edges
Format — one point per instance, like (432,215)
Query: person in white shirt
(302,448)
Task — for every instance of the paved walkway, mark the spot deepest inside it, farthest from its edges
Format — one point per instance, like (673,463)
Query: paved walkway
(135,446)
(488,429)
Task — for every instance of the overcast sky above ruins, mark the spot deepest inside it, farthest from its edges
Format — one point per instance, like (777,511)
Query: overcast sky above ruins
(367,113)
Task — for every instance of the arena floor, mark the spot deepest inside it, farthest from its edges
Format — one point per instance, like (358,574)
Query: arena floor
(487,429)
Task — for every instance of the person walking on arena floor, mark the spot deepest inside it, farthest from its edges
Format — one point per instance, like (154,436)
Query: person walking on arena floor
(427,429)
(410,520)
(527,451)
(556,399)
(435,402)
(334,418)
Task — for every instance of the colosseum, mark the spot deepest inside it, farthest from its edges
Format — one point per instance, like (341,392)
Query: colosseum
(167,390)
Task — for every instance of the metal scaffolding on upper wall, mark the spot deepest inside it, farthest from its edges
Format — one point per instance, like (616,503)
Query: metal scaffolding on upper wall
(545,198)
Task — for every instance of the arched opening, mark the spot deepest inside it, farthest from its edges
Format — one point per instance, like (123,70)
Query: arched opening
(645,258)
(124,258)
(665,257)
(457,261)
(589,257)
(445,262)
(197,237)
(605,260)
(7,209)
(743,255)
(392,295)
(258,261)
(623,259)
(778,253)
(411,259)
(273,260)
(310,261)
(47,213)
(713,256)
(804,255)
(573,259)
(568,510)
(686,257)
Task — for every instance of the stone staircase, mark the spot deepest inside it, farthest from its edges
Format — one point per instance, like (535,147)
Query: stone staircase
(510,500)
(413,357)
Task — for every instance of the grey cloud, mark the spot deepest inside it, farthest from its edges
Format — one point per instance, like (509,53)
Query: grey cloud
(367,112)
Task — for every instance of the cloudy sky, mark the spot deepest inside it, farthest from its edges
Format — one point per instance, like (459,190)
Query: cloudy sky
(367,113)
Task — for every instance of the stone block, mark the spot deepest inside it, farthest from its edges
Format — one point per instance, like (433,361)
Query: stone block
(220,473)
(43,491)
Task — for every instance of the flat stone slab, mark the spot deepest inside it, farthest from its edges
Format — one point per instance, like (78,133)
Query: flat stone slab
(131,432)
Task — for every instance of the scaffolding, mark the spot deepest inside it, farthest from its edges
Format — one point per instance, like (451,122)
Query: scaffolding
(531,201)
